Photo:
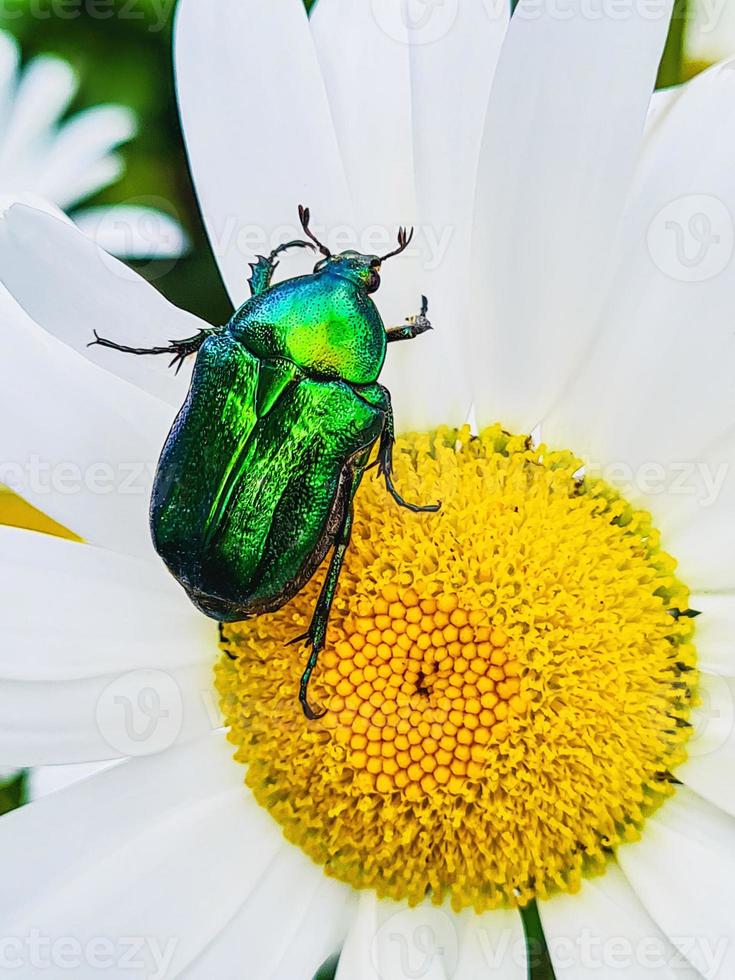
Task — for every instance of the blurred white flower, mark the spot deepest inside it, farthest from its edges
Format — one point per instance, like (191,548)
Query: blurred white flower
(67,161)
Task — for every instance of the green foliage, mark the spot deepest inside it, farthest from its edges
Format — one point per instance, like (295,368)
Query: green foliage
(539,960)
(13,792)
(328,970)
(672,70)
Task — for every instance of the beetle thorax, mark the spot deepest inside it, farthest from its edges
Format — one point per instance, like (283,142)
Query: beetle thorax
(326,323)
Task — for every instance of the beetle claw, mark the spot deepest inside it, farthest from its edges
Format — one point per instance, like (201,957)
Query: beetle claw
(420,323)
(386,471)
(309,712)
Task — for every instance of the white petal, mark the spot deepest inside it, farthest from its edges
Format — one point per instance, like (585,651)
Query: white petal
(81,143)
(563,130)
(656,387)
(411,157)
(491,945)
(270,145)
(46,88)
(711,749)
(715,636)
(85,289)
(133,232)
(168,849)
(50,779)
(661,104)
(77,442)
(388,941)
(364,65)
(696,512)
(132,713)
(447,140)
(604,931)
(69,611)
(291,923)
(108,170)
(683,870)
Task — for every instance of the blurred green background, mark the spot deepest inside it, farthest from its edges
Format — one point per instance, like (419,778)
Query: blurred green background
(125,57)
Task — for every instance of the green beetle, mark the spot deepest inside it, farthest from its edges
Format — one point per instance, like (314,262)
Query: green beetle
(256,481)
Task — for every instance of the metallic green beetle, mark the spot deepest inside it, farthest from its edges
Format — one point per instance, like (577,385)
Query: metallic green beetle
(257,478)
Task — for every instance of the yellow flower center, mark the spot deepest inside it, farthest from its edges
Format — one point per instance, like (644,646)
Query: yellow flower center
(507,682)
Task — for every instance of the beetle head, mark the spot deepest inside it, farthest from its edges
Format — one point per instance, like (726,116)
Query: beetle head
(362,270)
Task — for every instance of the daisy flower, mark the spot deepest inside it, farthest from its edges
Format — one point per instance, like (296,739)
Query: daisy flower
(529,694)
(67,161)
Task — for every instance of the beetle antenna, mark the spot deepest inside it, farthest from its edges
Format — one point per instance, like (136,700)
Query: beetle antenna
(404,240)
(305,216)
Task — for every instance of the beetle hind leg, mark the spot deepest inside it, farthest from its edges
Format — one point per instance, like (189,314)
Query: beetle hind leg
(316,635)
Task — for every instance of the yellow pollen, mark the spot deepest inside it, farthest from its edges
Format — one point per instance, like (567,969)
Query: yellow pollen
(507,682)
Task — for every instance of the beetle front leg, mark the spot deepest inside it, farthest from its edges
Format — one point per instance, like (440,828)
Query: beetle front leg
(178,350)
(261,271)
(416,325)
(385,461)
(317,632)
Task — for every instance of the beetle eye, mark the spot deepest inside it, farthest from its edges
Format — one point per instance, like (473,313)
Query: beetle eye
(374,281)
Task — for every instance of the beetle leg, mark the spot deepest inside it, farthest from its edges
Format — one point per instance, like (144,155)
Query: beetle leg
(385,461)
(416,325)
(179,350)
(317,632)
(261,274)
